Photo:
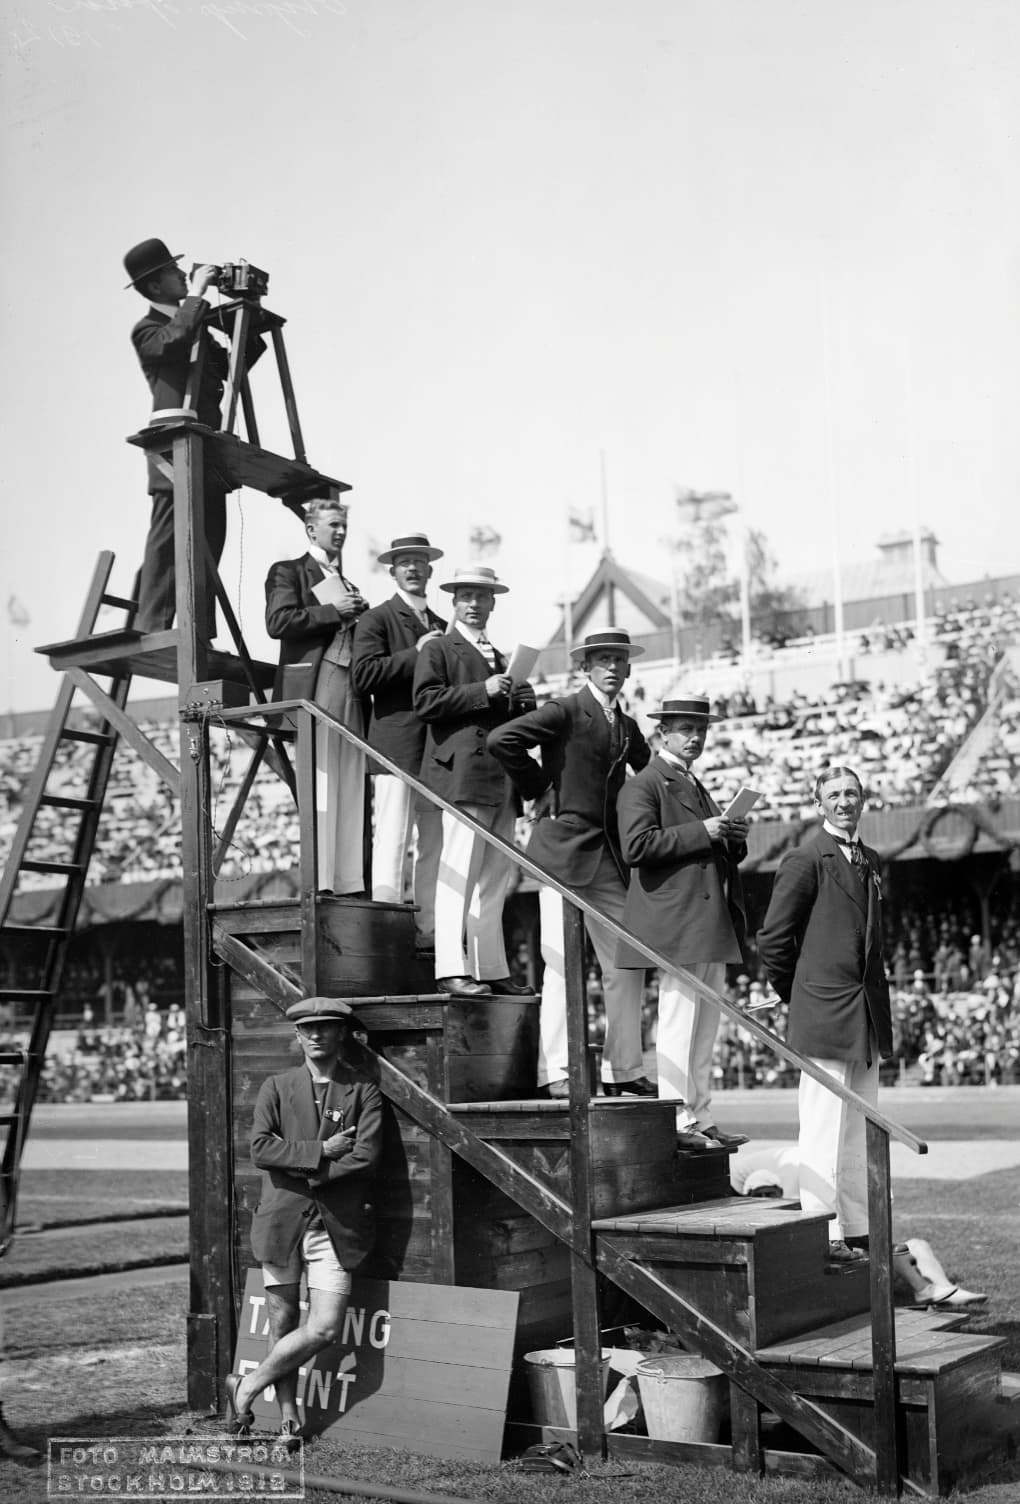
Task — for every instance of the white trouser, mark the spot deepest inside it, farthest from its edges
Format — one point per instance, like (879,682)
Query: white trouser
(398,811)
(623,990)
(833,1146)
(339,786)
(685,1042)
(471,886)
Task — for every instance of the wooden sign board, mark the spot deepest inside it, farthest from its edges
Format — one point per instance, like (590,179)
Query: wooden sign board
(425,1367)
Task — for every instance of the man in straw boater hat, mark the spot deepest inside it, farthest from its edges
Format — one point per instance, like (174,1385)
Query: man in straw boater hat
(316,1137)
(686,901)
(386,647)
(462,691)
(311,610)
(587,743)
(163,339)
(821,946)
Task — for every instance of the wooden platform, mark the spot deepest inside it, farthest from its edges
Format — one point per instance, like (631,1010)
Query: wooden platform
(242,464)
(149,655)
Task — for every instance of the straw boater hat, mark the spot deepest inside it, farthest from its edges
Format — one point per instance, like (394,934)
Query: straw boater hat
(693,705)
(146,259)
(610,637)
(414,543)
(325,1008)
(478,574)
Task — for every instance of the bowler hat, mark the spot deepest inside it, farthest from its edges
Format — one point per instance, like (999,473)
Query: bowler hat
(614,638)
(316,1008)
(478,574)
(146,259)
(414,543)
(690,705)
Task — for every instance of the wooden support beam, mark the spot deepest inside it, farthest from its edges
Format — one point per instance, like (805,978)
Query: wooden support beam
(308,734)
(127,729)
(583,1278)
(883,1317)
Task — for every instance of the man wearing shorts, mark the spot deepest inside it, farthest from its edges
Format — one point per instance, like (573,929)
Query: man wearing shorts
(316,1137)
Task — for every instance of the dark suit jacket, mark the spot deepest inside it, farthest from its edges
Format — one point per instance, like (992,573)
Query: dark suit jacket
(297,1180)
(449,695)
(685,896)
(303,627)
(821,946)
(164,346)
(385,657)
(582,775)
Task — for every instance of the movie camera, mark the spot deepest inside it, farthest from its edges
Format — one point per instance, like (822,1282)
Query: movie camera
(239,279)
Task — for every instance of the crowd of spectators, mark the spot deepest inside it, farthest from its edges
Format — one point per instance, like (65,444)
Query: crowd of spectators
(143,1060)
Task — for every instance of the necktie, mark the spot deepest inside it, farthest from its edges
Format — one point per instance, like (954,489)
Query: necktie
(487,650)
(857,857)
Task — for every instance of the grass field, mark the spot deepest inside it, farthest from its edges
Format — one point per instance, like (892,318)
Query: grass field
(112,1361)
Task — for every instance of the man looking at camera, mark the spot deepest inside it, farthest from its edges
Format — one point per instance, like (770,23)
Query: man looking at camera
(316,1137)
(163,340)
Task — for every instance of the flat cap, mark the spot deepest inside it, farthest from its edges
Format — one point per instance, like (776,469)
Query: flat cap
(324,1008)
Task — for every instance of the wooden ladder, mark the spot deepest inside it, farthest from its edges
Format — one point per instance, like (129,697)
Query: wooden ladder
(80,820)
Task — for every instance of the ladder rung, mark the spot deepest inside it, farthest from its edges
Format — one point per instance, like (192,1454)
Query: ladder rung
(8,1119)
(119,600)
(65,869)
(99,738)
(67,801)
(33,929)
(8,1057)
(25,995)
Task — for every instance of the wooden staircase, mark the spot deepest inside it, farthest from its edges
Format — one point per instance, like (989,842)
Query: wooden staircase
(743,1281)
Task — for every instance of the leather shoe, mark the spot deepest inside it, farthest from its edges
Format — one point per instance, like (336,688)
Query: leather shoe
(553,1091)
(842,1253)
(723,1139)
(462,987)
(507,987)
(691,1141)
(642,1087)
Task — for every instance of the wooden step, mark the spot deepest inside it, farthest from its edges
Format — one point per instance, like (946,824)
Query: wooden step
(67,801)
(59,869)
(91,738)
(151,655)
(948,1383)
(757,1268)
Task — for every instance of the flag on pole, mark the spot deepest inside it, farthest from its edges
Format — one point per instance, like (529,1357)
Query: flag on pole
(484,541)
(17,614)
(696,507)
(580,525)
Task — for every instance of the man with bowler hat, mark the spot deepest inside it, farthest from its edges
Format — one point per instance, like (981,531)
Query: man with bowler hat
(821,946)
(316,1137)
(587,743)
(685,900)
(462,691)
(311,610)
(386,647)
(163,340)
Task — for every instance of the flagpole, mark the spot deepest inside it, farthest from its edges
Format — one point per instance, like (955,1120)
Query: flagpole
(915,513)
(830,449)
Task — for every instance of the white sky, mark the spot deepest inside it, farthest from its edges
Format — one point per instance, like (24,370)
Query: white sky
(509,235)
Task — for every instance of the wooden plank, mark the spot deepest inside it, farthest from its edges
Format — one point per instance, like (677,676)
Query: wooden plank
(244,464)
(745,1431)
(629,1448)
(128,729)
(311,980)
(883,1325)
(441,1171)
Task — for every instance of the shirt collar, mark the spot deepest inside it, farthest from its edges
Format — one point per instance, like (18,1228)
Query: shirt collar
(317,1078)
(674,761)
(171,310)
(469,632)
(322,558)
(840,835)
(601,697)
(418,604)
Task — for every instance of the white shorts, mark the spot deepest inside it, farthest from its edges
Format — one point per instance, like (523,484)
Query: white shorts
(316,1257)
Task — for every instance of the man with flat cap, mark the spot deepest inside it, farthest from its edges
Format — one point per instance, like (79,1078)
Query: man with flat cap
(587,743)
(163,340)
(685,899)
(462,691)
(387,642)
(316,1137)
(311,610)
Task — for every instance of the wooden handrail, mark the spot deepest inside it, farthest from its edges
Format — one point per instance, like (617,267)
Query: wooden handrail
(655,958)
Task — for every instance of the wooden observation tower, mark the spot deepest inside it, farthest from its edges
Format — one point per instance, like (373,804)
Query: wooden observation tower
(582,1206)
